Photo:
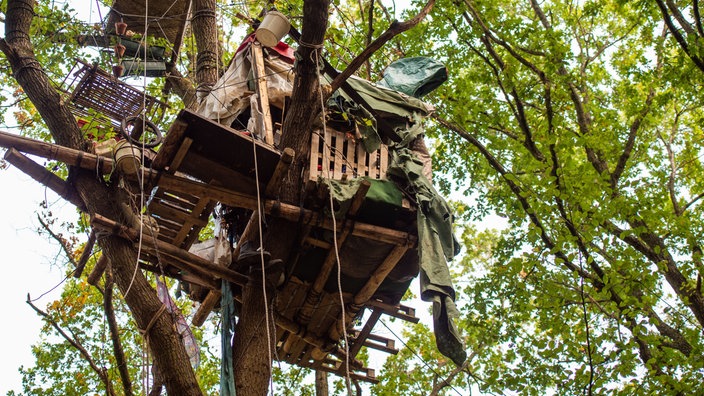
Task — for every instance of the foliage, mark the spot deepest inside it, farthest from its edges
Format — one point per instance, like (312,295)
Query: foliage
(580,124)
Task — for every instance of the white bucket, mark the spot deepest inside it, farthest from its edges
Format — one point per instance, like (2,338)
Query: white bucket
(272,29)
(128,158)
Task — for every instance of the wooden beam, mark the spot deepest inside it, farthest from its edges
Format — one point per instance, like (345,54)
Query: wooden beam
(45,177)
(180,155)
(262,91)
(397,311)
(190,260)
(367,291)
(366,330)
(171,144)
(66,155)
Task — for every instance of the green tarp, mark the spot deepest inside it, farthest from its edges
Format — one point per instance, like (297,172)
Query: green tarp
(403,114)
(414,76)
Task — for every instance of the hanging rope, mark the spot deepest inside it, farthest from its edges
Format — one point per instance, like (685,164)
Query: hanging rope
(337,250)
(263,264)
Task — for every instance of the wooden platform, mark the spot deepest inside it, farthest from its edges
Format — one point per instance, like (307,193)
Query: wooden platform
(202,163)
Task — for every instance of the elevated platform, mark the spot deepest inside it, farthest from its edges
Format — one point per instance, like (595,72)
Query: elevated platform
(202,163)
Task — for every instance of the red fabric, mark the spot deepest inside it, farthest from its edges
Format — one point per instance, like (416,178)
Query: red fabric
(283,49)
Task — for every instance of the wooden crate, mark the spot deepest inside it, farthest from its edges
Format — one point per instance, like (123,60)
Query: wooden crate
(337,155)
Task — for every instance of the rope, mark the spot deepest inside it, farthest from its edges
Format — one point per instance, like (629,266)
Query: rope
(261,250)
(337,250)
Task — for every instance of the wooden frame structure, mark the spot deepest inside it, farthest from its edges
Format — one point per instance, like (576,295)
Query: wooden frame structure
(202,163)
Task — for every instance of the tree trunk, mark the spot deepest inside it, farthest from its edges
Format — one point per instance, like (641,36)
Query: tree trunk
(165,344)
(250,346)
(205,29)
(321,383)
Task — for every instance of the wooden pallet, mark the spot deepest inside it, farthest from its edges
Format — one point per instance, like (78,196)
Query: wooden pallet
(336,155)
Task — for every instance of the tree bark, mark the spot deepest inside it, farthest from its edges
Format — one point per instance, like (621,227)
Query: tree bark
(250,349)
(321,383)
(165,343)
(205,29)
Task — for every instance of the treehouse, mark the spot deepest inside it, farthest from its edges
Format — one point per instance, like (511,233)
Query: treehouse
(366,201)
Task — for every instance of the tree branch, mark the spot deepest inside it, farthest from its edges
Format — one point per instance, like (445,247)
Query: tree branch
(61,240)
(678,36)
(118,351)
(519,194)
(101,372)
(630,141)
(394,30)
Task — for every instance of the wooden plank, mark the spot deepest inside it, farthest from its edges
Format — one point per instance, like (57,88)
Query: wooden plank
(180,154)
(188,223)
(339,155)
(170,212)
(349,156)
(384,161)
(368,376)
(327,148)
(397,311)
(315,155)
(362,161)
(262,91)
(190,260)
(172,142)
(366,330)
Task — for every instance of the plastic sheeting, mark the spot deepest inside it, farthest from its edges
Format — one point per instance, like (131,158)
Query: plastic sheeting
(415,76)
(231,94)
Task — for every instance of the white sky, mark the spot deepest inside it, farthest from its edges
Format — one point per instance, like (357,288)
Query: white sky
(27,269)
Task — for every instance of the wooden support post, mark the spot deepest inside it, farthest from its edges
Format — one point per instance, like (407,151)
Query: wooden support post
(366,330)
(168,150)
(87,251)
(262,91)
(44,177)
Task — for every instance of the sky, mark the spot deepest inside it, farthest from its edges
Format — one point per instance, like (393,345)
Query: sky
(28,268)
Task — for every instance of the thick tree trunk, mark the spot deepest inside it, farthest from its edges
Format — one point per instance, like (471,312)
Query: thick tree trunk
(205,29)
(165,344)
(252,362)
(321,383)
